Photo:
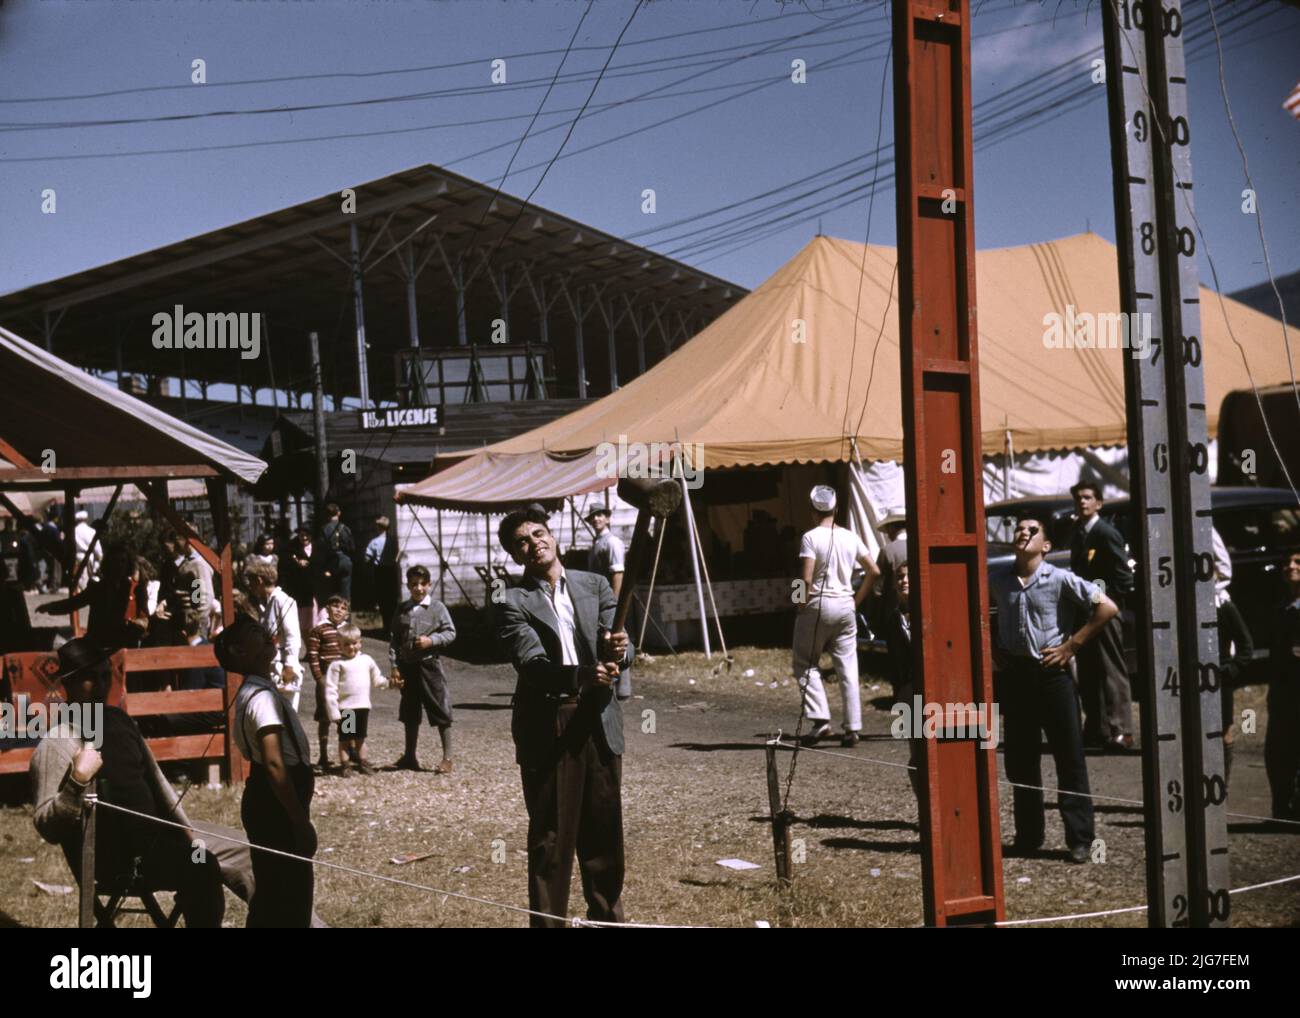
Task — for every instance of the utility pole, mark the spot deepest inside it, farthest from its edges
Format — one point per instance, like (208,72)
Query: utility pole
(961,863)
(1178,655)
(318,425)
(359,309)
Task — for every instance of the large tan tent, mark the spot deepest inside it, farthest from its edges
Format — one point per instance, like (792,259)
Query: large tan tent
(790,370)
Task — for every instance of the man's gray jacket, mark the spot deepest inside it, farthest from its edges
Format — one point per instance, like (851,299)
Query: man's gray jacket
(530,630)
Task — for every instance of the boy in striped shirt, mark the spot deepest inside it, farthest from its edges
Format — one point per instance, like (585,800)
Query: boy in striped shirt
(323,649)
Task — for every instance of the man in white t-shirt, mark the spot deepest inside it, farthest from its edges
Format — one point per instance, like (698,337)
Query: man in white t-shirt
(828,616)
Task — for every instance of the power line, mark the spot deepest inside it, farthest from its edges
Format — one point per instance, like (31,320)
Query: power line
(568,134)
(1259,212)
(492,148)
(996,133)
(413,70)
(524,137)
(656,65)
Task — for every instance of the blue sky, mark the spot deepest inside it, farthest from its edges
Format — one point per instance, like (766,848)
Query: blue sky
(1051,180)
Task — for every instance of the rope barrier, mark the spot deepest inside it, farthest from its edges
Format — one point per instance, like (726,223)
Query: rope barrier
(1133,908)
(570,921)
(1017,784)
(577,922)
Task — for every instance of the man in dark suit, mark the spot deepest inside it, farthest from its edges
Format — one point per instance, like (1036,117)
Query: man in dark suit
(1098,553)
(332,556)
(567,724)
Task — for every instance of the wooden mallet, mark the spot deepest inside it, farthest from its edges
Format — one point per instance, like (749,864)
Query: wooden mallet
(654,497)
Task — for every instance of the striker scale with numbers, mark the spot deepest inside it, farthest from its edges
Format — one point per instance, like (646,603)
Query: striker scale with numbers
(1178,654)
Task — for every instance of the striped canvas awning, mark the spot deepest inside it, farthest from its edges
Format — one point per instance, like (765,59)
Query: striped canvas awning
(498,482)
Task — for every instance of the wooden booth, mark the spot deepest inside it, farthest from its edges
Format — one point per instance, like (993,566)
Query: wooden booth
(66,431)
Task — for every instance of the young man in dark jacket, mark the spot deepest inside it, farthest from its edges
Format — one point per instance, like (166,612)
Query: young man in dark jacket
(567,722)
(1099,554)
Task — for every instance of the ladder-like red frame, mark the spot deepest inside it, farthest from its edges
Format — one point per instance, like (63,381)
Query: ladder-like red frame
(961,852)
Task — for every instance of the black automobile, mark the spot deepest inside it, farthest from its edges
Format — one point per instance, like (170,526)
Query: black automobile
(1259,526)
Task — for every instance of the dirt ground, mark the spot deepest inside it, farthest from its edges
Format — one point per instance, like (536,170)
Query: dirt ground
(694,793)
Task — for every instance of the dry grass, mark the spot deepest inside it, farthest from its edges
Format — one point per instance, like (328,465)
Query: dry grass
(694,793)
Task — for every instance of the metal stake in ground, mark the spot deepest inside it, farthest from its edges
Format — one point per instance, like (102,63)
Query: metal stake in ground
(86,903)
(780,817)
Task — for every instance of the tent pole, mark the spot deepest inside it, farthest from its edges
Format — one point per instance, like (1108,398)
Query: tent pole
(438,548)
(442,563)
(1009,452)
(650,592)
(699,549)
(695,566)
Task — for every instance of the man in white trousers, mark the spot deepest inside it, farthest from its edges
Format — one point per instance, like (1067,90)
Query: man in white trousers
(828,617)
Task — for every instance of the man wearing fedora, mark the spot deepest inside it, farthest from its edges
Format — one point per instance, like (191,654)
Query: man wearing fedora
(827,616)
(567,724)
(606,559)
(116,757)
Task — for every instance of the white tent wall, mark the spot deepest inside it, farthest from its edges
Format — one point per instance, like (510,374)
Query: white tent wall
(470,539)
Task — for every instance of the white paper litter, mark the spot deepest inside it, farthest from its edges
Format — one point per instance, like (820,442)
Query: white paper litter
(738,864)
(53,888)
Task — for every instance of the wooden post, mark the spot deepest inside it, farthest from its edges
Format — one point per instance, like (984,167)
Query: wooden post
(235,764)
(961,864)
(86,904)
(318,426)
(780,819)
(70,550)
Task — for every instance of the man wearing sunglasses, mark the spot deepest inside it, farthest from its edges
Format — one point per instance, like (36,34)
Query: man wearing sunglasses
(1045,615)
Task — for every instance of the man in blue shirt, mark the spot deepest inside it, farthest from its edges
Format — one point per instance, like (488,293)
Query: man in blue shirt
(1045,615)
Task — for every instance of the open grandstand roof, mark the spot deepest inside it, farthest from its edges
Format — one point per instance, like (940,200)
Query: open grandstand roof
(294,267)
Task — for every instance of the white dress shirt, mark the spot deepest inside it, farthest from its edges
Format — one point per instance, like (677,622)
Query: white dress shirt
(563,605)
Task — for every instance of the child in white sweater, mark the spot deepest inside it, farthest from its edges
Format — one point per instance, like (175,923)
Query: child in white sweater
(347,698)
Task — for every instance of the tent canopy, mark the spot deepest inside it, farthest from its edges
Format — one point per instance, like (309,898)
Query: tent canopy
(781,378)
(95,429)
(493,482)
(790,370)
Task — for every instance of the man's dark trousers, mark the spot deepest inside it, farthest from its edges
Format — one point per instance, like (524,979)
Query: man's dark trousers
(1100,555)
(1042,699)
(282,888)
(1104,686)
(575,805)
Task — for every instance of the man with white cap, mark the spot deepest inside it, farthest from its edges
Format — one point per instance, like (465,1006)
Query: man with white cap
(828,616)
(606,559)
